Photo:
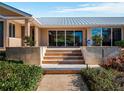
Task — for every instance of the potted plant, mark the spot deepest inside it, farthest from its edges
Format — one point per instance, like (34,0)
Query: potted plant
(97,39)
(28,40)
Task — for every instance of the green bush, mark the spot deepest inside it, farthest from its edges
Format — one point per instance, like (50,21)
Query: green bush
(120,43)
(2,55)
(100,79)
(19,77)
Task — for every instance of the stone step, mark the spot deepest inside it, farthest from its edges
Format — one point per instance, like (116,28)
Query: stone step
(63,62)
(62,57)
(66,48)
(65,68)
(64,51)
(63,54)
(61,71)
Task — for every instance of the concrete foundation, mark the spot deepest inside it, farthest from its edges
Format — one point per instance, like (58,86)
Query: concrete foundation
(96,55)
(30,55)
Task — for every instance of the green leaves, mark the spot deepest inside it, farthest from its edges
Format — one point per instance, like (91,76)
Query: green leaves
(119,43)
(19,77)
(100,79)
(29,41)
(97,39)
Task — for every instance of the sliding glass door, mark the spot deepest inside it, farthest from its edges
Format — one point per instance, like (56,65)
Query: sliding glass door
(69,38)
(1,34)
(60,38)
(78,38)
(106,34)
(65,38)
(52,38)
(109,35)
(116,35)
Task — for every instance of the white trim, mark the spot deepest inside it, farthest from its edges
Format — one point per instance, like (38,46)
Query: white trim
(111,36)
(122,33)
(65,37)
(3,17)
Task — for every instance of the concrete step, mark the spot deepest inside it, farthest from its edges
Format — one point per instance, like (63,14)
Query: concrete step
(62,71)
(64,51)
(65,68)
(63,54)
(63,61)
(62,57)
(64,48)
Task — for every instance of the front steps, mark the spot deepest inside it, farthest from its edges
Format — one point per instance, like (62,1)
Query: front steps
(63,61)
(63,68)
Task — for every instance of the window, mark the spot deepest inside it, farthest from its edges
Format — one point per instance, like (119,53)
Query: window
(106,34)
(109,35)
(96,32)
(11,30)
(116,36)
(1,34)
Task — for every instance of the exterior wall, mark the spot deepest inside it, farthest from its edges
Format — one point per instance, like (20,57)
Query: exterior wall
(44,38)
(29,55)
(98,55)
(15,41)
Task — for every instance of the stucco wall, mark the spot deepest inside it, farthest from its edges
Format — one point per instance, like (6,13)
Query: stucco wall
(17,29)
(44,39)
(15,42)
(98,55)
(30,55)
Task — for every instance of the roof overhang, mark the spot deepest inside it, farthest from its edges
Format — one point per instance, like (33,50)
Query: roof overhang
(7,10)
(84,26)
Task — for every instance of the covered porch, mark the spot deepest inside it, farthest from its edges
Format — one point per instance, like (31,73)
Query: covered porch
(15,25)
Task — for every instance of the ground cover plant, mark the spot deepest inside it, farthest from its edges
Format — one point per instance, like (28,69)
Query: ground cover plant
(100,79)
(19,77)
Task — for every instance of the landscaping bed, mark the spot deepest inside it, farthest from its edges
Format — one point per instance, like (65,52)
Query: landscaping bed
(100,79)
(18,76)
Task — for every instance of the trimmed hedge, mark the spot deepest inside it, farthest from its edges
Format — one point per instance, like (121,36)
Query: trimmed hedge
(100,79)
(19,77)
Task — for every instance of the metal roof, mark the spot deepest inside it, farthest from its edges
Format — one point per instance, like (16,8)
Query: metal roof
(79,21)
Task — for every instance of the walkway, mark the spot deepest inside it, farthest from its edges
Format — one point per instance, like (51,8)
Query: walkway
(62,82)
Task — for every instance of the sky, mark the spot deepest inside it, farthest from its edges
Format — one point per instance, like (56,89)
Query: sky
(71,9)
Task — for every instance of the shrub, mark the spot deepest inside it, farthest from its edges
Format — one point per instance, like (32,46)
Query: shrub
(115,63)
(100,79)
(2,55)
(119,43)
(19,77)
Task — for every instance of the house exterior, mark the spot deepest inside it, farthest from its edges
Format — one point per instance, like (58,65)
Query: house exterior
(56,31)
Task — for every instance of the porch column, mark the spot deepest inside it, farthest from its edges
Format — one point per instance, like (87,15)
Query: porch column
(27,27)
(36,36)
(6,33)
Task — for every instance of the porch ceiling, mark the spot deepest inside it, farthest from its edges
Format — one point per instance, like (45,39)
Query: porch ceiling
(7,13)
